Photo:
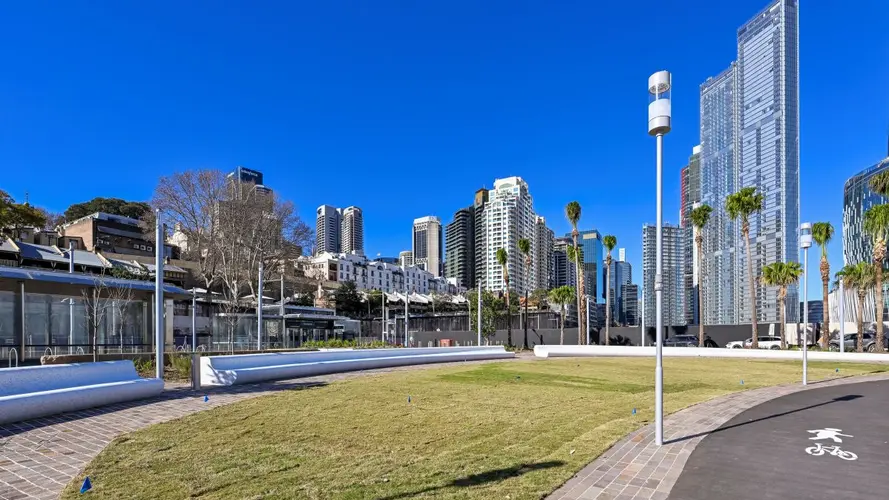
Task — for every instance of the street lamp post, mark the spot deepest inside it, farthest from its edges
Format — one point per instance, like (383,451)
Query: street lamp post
(479,312)
(659,123)
(805,241)
(588,339)
(643,309)
(259,310)
(159,295)
(842,339)
(194,330)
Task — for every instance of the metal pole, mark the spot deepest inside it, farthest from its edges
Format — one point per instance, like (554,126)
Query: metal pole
(643,308)
(407,314)
(70,325)
(159,295)
(259,311)
(588,339)
(479,312)
(842,339)
(806,316)
(383,319)
(658,292)
(281,312)
(194,329)
(70,256)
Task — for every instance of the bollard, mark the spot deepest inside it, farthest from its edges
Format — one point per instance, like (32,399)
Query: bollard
(195,371)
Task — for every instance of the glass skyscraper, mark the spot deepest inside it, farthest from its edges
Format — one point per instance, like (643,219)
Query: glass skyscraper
(857,198)
(750,138)
(590,243)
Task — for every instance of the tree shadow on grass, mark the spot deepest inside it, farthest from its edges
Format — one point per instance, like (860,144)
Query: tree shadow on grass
(491,476)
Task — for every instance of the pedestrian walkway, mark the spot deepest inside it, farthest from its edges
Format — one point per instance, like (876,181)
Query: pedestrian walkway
(636,468)
(38,458)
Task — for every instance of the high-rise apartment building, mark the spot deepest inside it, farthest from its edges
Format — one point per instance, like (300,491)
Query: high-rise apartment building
(620,275)
(352,231)
(405,258)
(509,216)
(564,270)
(427,240)
(481,236)
(750,138)
(590,243)
(629,311)
(460,248)
(543,258)
(327,229)
(672,273)
(690,182)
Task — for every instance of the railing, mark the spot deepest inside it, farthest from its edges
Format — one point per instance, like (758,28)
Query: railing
(80,350)
(11,357)
(48,352)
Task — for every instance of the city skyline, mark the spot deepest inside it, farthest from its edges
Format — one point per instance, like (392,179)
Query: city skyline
(72,123)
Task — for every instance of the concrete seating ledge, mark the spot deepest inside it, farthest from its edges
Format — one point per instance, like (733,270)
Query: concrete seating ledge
(556,351)
(39,391)
(252,368)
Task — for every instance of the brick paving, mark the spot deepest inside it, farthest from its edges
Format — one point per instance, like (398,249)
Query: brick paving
(38,458)
(636,468)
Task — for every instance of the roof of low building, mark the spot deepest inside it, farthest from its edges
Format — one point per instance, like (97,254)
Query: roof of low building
(83,279)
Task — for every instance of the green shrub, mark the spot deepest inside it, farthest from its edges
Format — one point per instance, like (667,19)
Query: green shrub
(339,344)
(144,366)
(181,366)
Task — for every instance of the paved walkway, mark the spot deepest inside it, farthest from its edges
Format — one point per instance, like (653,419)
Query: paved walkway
(636,468)
(38,458)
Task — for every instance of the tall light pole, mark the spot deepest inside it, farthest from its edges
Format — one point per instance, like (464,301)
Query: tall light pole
(842,339)
(281,312)
(479,313)
(407,314)
(259,311)
(659,123)
(70,300)
(194,330)
(643,308)
(805,241)
(588,339)
(159,295)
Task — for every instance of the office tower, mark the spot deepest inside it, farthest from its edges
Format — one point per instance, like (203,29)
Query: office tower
(690,182)
(460,248)
(427,241)
(352,231)
(622,254)
(509,216)
(405,258)
(621,273)
(564,270)
(673,269)
(629,311)
(857,198)
(750,138)
(543,258)
(590,243)
(480,240)
(327,229)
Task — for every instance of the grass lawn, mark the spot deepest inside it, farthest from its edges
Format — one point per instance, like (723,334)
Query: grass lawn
(487,431)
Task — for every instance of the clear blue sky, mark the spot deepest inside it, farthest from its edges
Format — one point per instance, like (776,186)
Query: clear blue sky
(406,108)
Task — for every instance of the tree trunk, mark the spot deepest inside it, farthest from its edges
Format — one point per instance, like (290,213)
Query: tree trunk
(700,241)
(526,319)
(754,339)
(562,327)
(781,298)
(860,346)
(608,300)
(578,279)
(508,316)
(879,256)
(825,280)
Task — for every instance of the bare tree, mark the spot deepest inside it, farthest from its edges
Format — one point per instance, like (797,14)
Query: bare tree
(119,299)
(99,300)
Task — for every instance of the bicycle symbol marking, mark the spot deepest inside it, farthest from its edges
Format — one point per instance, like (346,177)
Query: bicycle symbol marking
(819,450)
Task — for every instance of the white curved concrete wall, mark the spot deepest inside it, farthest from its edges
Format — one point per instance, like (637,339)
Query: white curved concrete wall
(557,351)
(251,368)
(38,391)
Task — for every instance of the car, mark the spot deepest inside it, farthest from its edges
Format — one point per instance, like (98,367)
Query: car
(850,342)
(765,342)
(736,344)
(681,341)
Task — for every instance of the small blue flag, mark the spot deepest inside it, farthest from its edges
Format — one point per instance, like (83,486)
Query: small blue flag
(634,411)
(408,399)
(742,381)
(206,398)
(87,485)
(838,370)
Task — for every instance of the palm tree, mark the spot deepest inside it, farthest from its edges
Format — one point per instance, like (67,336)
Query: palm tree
(562,296)
(503,260)
(700,216)
(742,205)
(822,233)
(876,223)
(525,248)
(781,274)
(860,277)
(572,212)
(610,242)
(574,254)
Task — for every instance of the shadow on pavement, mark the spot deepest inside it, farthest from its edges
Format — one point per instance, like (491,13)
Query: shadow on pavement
(491,476)
(849,397)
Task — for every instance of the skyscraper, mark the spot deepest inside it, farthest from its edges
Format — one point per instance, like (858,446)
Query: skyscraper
(629,311)
(481,236)
(460,248)
(690,183)
(352,231)
(590,243)
(509,216)
(543,258)
(405,258)
(620,275)
(327,229)
(857,198)
(564,270)
(427,240)
(673,272)
(750,138)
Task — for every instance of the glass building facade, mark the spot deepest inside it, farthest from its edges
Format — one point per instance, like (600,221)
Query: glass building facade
(673,271)
(590,243)
(857,198)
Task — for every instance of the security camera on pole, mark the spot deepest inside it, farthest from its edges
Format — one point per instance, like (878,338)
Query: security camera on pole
(659,123)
